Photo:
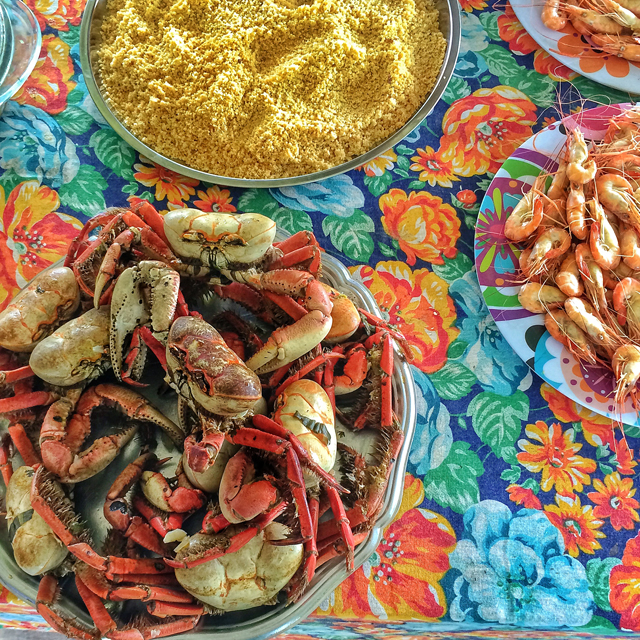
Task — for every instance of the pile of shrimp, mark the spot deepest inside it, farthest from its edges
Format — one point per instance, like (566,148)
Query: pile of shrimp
(612,25)
(580,260)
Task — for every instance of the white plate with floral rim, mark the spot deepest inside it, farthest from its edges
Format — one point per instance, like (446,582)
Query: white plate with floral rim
(576,51)
(497,267)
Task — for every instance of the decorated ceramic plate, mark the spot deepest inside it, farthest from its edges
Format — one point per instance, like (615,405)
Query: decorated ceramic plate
(576,51)
(496,261)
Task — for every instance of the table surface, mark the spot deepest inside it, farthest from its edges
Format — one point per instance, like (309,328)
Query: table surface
(519,507)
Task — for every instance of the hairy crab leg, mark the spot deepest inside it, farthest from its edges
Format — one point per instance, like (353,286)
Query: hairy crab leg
(48,594)
(6,468)
(163,522)
(161,609)
(338,549)
(308,368)
(343,524)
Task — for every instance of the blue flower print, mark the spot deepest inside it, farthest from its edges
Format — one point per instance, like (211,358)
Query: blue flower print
(86,103)
(433,437)
(474,39)
(488,355)
(512,569)
(34,145)
(336,196)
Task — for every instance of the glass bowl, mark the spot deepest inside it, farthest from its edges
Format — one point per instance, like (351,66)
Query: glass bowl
(20,42)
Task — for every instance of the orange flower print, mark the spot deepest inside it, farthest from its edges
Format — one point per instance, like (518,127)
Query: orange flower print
(417,302)
(482,130)
(432,168)
(624,582)
(401,579)
(424,226)
(58,14)
(523,496)
(556,457)
(215,199)
(32,235)
(547,65)
(512,32)
(379,165)
(168,184)
(614,500)
(49,83)
(624,457)
(597,429)
(470,5)
(577,524)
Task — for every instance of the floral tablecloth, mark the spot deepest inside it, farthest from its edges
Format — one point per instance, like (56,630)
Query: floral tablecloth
(517,513)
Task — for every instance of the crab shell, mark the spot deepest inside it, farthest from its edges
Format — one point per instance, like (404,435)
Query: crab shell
(35,547)
(49,300)
(209,480)
(249,577)
(309,399)
(217,379)
(77,351)
(219,239)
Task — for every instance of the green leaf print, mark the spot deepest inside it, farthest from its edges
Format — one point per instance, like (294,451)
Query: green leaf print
(598,571)
(417,184)
(454,483)
(404,163)
(74,120)
(377,185)
(498,419)
(511,475)
(456,349)
(453,381)
(351,235)
(71,37)
(292,221)
(9,179)
(387,251)
(489,21)
(590,90)
(500,61)
(530,483)
(258,201)
(84,192)
(453,268)
(456,89)
(401,149)
(113,152)
(598,622)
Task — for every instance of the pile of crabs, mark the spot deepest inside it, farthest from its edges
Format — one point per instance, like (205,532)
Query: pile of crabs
(261,461)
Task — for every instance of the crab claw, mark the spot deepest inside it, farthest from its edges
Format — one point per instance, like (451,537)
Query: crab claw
(181,499)
(242,496)
(313,320)
(129,308)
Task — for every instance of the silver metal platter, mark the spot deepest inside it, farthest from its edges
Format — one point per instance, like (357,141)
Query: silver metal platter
(262,622)
(90,39)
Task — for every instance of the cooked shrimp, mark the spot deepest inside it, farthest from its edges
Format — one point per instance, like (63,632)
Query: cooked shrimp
(626,302)
(604,243)
(626,367)
(552,16)
(568,279)
(568,333)
(526,215)
(538,298)
(580,167)
(596,22)
(616,194)
(555,213)
(628,164)
(559,182)
(617,12)
(550,244)
(627,47)
(630,246)
(577,212)
(584,315)
(592,276)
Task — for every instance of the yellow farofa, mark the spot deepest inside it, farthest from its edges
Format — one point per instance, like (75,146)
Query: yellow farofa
(266,88)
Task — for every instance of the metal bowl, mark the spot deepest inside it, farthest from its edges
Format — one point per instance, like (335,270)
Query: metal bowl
(261,622)
(90,37)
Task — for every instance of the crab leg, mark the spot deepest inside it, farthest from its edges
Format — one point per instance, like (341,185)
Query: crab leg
(338,549)
(21,373)
(6,468)
(343,524)
(379,323)
(96,608)
(162,609)
(305,574)
(298,248)
(28,400)
(318,361)
(234,543)
(277,444)
(23,444)
(48,594)
(161,521)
